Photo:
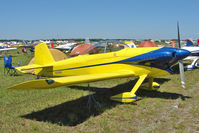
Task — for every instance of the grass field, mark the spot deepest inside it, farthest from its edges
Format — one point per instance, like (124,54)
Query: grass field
(64,109)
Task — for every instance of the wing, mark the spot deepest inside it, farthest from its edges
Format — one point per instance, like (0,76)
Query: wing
(7,49)
(56,82)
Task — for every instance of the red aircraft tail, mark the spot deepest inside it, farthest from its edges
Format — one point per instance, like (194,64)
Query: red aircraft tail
(52,45)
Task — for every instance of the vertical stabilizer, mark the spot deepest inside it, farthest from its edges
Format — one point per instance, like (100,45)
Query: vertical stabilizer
(189,43)
(43,55)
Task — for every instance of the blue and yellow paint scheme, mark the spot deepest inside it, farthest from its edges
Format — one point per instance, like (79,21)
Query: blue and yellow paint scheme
(140,62)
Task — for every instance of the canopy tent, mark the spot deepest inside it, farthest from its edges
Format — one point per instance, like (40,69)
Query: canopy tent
(84,49)
(147,43)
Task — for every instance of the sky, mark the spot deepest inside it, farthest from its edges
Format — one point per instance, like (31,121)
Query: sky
(133,19)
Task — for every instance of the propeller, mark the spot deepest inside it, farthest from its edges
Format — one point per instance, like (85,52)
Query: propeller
(181,66)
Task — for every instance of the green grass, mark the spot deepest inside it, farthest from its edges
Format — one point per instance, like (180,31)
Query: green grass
(64,109)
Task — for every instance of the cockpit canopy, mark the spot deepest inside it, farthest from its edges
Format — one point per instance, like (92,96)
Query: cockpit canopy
(107,46)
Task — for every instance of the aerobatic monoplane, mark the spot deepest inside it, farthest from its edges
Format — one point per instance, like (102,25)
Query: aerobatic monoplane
(128,62)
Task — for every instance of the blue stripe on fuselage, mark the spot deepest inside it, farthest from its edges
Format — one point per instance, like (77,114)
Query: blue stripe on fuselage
(159,54)
(156,55)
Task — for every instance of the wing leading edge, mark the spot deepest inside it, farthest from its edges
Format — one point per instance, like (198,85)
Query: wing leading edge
(61,81)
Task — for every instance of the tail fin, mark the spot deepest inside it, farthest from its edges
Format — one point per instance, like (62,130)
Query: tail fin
(198,42)
(43,61)
(189,43)
(52,45)
(43,55)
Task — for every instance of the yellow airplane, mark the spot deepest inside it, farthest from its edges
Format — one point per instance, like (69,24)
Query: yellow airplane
(140,62)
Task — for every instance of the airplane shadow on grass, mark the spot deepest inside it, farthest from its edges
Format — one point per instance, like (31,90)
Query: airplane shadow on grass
(74,112)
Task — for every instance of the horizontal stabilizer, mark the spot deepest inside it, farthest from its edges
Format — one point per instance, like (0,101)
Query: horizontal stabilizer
(56,82)
(33,66)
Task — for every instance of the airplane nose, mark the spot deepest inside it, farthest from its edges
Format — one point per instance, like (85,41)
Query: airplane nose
(182,53)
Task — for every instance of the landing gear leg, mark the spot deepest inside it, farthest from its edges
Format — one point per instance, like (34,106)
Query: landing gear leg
(150,82)
(128,97)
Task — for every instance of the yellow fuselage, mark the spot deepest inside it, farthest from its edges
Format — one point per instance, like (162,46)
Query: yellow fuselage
(103,63)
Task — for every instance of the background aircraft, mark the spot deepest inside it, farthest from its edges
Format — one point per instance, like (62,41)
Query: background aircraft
(66,47)
(6,49)
(194,56)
